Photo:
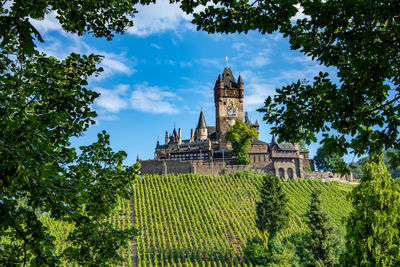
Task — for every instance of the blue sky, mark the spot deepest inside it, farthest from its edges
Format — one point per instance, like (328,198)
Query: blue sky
(162,72)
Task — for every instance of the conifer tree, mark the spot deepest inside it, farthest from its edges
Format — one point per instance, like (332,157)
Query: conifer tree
(271,211)
(322,245)
(373,237)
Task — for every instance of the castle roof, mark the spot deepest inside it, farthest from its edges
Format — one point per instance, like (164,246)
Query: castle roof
(240,80)
(202,121)
(258,142)
(228,79)
(282,146)
(174,136)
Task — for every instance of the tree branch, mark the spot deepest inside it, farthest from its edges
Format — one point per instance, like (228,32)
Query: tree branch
(384,105)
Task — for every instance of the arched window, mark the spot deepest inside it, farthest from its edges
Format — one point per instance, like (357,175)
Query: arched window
(281,173)
(290,173)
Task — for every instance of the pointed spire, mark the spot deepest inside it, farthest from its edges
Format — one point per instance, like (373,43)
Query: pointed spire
(202,121)
(228,78)
(256,123)
(219,78)
(240,80)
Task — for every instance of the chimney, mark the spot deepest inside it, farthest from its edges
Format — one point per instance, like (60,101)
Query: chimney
(179,136)
(166,137)
(191,136)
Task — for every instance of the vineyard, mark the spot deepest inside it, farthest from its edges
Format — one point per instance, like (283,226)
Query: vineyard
(193,220)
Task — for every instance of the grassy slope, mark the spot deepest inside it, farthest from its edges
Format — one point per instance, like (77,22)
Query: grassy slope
(191,219)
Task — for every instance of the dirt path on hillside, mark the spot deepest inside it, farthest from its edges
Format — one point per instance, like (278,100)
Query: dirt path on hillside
(133,242)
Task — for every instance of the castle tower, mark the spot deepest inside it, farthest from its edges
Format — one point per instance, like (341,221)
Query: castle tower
(201,130)
(228,99)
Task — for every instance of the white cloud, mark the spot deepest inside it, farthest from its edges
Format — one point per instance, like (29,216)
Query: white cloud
(256,90)
(156,46)
(299,14)
(153,99)
(184,64)
(302,59)
(141,97)
(208,62)
(158,18)
(238,46)
(112,100)
(259,60)
(112,63)
(49,23)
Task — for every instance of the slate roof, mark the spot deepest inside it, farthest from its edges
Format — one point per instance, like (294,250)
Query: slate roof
(283,146)
(258,142)
(287,147)
(228,79)
(202,121)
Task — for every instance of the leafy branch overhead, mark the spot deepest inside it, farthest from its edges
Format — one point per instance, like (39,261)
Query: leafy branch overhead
(44,102)
(357,108)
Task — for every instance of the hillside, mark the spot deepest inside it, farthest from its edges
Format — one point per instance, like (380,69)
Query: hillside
(191,218)
(356,167)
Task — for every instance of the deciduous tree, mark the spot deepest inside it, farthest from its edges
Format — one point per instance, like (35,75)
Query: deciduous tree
(43,103)
(325,162)
(240,136)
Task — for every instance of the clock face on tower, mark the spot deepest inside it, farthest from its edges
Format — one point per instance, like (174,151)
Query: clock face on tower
(231,108)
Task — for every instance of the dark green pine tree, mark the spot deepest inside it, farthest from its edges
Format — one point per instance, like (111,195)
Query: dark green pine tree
(272,214)
(323,245)
(373,227)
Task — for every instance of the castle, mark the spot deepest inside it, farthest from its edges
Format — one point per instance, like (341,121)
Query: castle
(207,151)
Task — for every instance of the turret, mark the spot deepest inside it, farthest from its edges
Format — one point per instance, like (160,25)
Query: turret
(191,136)
(166,137)
(220,83)
(201,130)
(257,126)
(246,119)
(179,136)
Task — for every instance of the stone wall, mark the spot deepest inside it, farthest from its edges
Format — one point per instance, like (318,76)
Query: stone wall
(284,168)
(329,176)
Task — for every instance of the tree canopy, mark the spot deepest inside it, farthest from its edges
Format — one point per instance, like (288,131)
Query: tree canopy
(43,103)
(240,136)
(359,39)
(331,163)
(373,227)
